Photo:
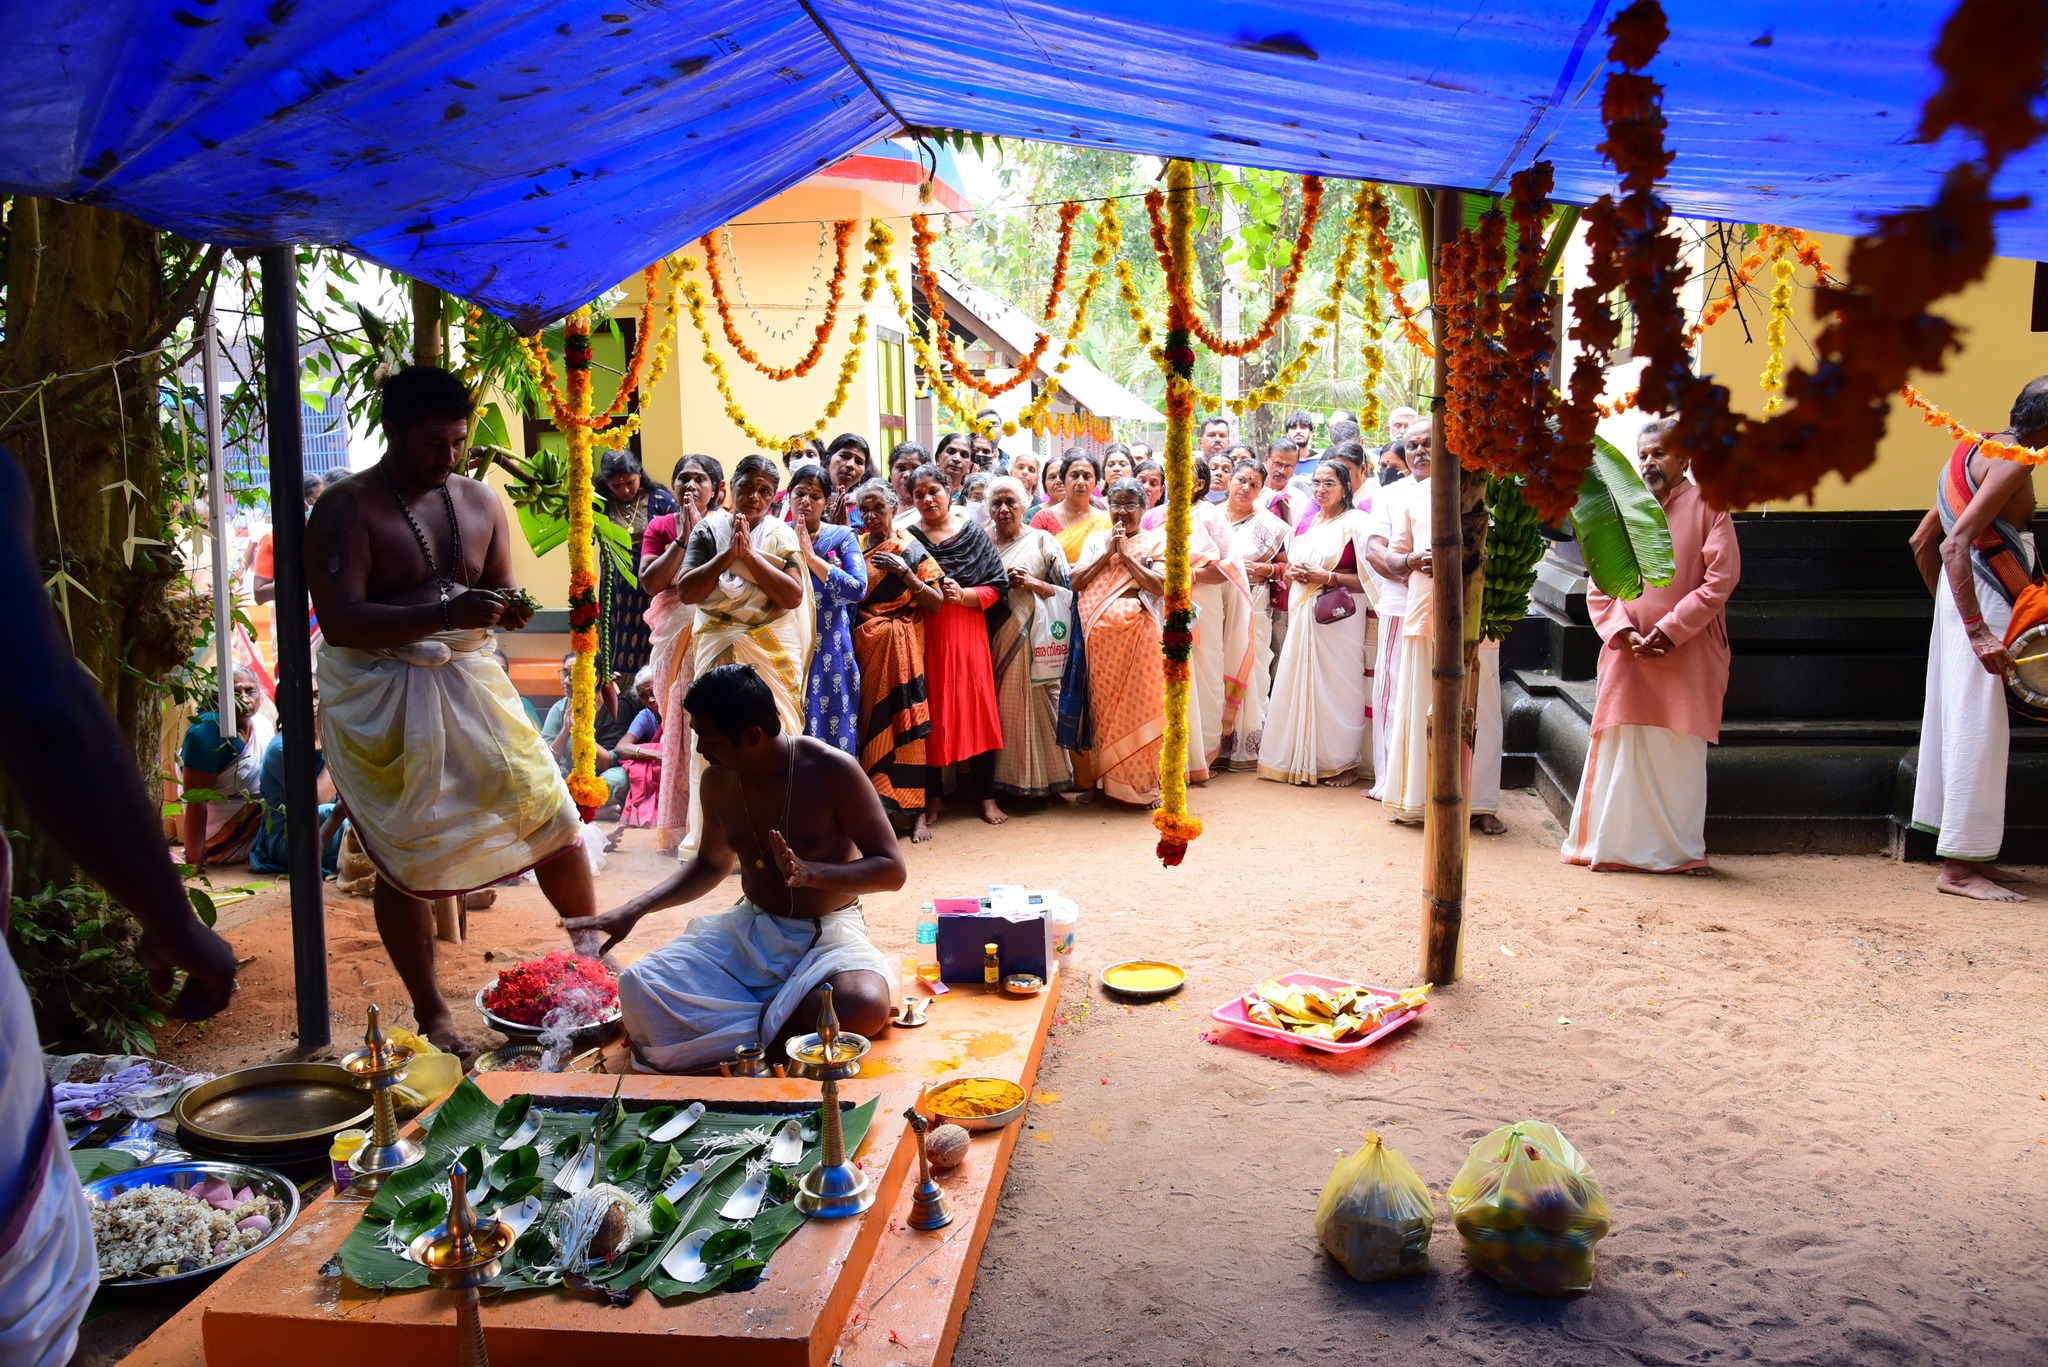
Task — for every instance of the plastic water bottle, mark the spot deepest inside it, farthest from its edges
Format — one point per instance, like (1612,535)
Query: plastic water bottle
(928,943)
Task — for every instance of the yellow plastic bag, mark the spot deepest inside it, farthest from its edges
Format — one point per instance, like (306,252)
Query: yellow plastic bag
(1375,1215)
(1529,1210)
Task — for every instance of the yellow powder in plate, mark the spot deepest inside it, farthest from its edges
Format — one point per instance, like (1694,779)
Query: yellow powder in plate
(1143,977)
(974,1097)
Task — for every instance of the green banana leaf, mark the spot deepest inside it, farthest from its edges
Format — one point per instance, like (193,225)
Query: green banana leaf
(466,1118)
(1620,527)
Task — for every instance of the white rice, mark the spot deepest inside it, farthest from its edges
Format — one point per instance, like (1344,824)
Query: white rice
(159,1231)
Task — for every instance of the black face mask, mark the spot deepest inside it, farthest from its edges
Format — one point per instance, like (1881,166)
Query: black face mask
(1388,474)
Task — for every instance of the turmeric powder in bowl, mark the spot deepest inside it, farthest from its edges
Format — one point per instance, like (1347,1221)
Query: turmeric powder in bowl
(970,1099)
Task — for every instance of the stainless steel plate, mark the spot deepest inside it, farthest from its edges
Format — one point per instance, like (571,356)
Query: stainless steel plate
(183,1177)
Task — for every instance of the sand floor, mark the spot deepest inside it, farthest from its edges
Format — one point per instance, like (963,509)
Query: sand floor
(1815,1091)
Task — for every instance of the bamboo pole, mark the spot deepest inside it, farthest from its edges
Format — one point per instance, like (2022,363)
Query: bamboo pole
(1444,820)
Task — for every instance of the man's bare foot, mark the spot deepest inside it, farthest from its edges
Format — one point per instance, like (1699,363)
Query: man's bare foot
(1959,878)
(992,814)
(1347,779)
(921,831)
(440,1032)
(1701,872)
(1486,823)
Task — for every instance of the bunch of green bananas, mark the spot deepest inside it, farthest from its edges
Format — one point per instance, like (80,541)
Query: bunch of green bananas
(1513,547)
(543,491)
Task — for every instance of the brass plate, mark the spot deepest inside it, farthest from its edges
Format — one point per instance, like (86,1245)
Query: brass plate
(279,1103)
(1162,979)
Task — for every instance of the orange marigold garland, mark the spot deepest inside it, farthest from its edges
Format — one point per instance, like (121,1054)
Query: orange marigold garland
(1177,637)
(928,281)
(1528,401)
(1380,250)
(842,237)
(1993,56)
(1283,298)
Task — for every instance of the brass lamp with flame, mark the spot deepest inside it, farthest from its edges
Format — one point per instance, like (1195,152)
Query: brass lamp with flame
(379,1065)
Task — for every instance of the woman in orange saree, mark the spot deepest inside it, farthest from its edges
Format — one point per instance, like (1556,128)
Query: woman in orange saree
(888,649)
(1120,578)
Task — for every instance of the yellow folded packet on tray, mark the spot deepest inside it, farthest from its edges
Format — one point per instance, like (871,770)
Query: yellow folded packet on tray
(1331,1014)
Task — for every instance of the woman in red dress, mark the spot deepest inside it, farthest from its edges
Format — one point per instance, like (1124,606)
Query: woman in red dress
(958,668)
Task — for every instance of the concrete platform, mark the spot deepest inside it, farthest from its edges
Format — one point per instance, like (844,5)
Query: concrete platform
(835,1287)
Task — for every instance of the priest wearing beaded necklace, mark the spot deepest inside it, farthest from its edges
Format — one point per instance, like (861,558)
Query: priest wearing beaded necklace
(448,785)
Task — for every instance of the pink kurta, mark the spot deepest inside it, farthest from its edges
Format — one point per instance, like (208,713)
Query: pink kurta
(1684,690)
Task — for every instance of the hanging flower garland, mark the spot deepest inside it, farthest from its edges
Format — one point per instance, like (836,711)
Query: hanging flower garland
(1369,408)
(835,292)
(1772,382)
(1283,298)
(1993,57)
(1296,369)
(877,247)
(1528,401)
(1380,251)
(586,789)
(928,281)
(1077,427)
(541,366)
(1177,637)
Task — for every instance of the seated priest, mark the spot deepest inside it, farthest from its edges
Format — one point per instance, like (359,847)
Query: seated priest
(746,975)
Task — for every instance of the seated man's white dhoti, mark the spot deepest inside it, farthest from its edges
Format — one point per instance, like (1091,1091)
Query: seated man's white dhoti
(447,784)
(735,977)
(1642,804)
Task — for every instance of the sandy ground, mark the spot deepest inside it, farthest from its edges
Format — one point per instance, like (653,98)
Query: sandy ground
(1816,1092)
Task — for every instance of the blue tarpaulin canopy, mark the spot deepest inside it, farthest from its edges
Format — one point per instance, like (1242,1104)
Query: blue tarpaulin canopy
(531,153)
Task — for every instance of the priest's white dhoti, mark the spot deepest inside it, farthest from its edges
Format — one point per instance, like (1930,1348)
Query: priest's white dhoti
(1642,805)
(735,977)
(1965,735)
(1488,738)
(447,784)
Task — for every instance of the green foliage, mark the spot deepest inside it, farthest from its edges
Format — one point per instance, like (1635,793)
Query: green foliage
(75,947)
(1622,534)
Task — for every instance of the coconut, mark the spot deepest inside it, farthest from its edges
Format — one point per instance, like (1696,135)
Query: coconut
(947,1146)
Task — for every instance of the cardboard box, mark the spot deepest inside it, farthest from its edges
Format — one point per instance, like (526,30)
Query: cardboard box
(967,923)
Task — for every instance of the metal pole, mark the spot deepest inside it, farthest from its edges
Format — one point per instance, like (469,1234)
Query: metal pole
(1443,830)
(294,643)
(217,516)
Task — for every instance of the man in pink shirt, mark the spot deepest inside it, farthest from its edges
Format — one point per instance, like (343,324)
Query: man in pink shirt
(1642,802)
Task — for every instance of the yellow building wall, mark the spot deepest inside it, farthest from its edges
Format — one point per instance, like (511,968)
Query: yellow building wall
(2000,354)
(779,259)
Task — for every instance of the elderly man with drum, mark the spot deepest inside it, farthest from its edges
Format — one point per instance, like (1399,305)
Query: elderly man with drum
(1976,555)
(1642,802)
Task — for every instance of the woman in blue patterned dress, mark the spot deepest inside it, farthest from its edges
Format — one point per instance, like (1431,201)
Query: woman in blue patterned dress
(839,580)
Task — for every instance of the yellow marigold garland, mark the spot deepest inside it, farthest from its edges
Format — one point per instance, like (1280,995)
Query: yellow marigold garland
(1176,827)
(1772,380)
(877,254)
(586,789)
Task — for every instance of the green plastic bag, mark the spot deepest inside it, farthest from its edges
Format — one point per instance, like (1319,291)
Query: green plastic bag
(1375,1215)
(1529,1210)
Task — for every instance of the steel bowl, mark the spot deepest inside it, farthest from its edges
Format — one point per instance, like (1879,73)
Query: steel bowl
(599,1032)
(183,1177)
(975,1122)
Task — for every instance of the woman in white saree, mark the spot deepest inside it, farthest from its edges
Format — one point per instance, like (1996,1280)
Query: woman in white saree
(1316,721)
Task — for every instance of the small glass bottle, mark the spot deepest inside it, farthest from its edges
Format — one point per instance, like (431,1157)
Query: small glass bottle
(341,1151)
(928,943)
(992,963)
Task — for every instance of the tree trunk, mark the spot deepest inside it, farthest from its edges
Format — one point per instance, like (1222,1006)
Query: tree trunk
(85,286)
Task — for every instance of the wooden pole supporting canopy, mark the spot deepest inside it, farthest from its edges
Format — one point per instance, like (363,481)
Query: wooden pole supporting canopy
(1445,818)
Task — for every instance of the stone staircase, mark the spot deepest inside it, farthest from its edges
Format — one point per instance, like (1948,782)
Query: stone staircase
(1820,741)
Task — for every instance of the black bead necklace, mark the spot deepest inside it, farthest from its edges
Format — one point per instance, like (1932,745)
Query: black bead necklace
(445,583)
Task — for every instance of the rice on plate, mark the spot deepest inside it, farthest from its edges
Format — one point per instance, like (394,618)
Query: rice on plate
(160,1231)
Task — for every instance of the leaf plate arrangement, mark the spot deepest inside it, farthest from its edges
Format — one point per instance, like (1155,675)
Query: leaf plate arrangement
(535,1159)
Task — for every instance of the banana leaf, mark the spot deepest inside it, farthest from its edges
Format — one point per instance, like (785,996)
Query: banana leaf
(1620,528)
(468,1117)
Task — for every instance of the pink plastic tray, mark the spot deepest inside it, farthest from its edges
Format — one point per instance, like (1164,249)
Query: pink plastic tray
(1231,1013)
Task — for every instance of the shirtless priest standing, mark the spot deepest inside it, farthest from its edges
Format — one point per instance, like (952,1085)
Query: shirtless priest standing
(447,783)
(746,975)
